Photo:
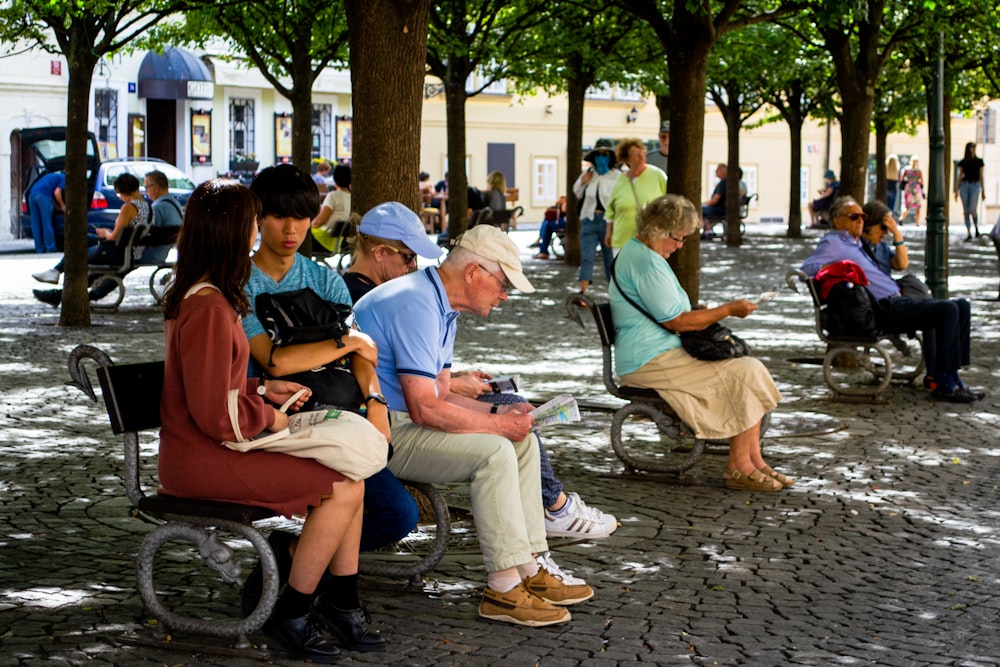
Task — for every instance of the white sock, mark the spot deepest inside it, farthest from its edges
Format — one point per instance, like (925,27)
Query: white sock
(504,580)
(528,569)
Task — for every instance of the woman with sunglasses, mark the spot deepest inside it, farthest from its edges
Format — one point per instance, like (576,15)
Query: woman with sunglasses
(390,237)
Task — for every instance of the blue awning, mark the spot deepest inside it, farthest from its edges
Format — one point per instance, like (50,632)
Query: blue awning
(175,74)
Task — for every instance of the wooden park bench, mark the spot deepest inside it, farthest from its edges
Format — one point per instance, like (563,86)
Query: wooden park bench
(132,397)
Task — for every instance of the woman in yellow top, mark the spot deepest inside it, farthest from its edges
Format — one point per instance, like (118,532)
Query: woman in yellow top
(640,184)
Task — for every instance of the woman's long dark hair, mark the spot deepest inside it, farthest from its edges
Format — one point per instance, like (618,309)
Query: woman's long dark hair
(212,245)
(970,151)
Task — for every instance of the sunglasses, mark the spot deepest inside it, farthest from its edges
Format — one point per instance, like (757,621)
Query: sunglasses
(854,217)
(408,257)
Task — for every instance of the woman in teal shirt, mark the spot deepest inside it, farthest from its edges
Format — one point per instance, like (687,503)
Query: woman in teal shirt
(718,399)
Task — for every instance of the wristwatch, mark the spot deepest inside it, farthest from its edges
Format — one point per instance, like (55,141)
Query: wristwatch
(261,388)
(378,398)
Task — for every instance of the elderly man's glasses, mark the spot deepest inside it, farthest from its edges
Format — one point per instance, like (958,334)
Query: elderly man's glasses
(504,284)
(854,217)
(408,257)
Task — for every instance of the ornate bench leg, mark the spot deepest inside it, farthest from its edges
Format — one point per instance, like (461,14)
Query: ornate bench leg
(865,374)
(672,448)
(415,555)
(219,557)
(160,280)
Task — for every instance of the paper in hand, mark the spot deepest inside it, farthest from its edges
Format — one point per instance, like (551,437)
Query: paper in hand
(560,410)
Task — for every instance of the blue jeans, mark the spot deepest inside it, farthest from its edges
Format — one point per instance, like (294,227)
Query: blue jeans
(551,487)
(41,209)
(969,193)
(944,323)
(592,238)
(390,511)
(548,228)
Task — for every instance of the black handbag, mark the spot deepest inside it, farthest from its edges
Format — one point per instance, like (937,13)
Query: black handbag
(712,343)
(302,316)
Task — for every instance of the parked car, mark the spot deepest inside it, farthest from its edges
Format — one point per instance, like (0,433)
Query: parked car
(48,147)
(39,151)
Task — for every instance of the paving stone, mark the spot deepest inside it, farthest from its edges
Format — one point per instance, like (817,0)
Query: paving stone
(884,553)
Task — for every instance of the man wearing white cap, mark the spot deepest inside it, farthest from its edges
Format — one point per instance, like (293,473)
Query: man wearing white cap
(442,437)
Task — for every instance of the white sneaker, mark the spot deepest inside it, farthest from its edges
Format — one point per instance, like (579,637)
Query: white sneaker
(580,521)
(545,562)
(51,276)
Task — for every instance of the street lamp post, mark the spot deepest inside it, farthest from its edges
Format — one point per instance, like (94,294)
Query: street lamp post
(937,227)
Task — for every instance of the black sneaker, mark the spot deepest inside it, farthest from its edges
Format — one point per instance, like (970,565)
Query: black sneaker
(351,627)
(53,297)
(254,586)
(303,638)
(957,394)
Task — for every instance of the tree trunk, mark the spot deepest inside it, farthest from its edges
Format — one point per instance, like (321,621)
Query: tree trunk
(795,122)
(854,133)
(81,62)
(733,236)
(458,180)
(687,60)
(576,89)
(301,100)
(388,42)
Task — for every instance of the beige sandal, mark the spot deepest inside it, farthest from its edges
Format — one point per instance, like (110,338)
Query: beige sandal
(782,479)
(755,481)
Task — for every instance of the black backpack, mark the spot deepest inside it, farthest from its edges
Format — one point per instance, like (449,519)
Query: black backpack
(850,311)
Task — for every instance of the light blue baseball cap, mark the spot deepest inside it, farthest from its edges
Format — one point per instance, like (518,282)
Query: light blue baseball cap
(394,222)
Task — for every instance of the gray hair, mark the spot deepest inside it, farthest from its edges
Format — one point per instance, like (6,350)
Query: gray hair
(841,203)
(666,215)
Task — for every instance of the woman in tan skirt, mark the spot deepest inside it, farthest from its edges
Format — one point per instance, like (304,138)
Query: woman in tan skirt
(718,399)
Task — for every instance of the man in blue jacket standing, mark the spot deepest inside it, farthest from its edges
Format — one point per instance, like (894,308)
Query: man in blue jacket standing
(45,198)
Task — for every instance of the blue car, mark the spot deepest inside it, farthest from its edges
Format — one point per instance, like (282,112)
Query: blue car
(43,151)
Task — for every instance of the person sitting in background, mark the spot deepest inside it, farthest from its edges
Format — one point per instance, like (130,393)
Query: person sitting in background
(206,362)
(496,193)
(319,178)
(327,226)
(827,194)
(555,219)
(389,240)
(135,210)
(945,323)
(724,399)
(877,225)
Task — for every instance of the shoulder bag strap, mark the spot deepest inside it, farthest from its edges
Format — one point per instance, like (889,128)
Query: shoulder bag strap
(628,298)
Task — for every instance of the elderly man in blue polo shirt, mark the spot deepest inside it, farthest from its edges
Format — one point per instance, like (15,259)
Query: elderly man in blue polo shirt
(442,437)
(944,322)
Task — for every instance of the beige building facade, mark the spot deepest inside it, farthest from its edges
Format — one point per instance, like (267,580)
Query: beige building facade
(224,117)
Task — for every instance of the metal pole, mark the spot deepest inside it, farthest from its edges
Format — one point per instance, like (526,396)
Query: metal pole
(937,227)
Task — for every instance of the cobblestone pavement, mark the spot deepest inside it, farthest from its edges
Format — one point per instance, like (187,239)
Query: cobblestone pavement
(884,553)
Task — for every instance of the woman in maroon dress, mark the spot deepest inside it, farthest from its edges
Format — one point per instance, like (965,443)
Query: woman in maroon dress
(206,358)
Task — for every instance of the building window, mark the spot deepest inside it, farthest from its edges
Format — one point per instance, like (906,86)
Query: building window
(750,178)
(241,130)
(322,132)
(106,121)
(600,91)
(545,190)
(803,185)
